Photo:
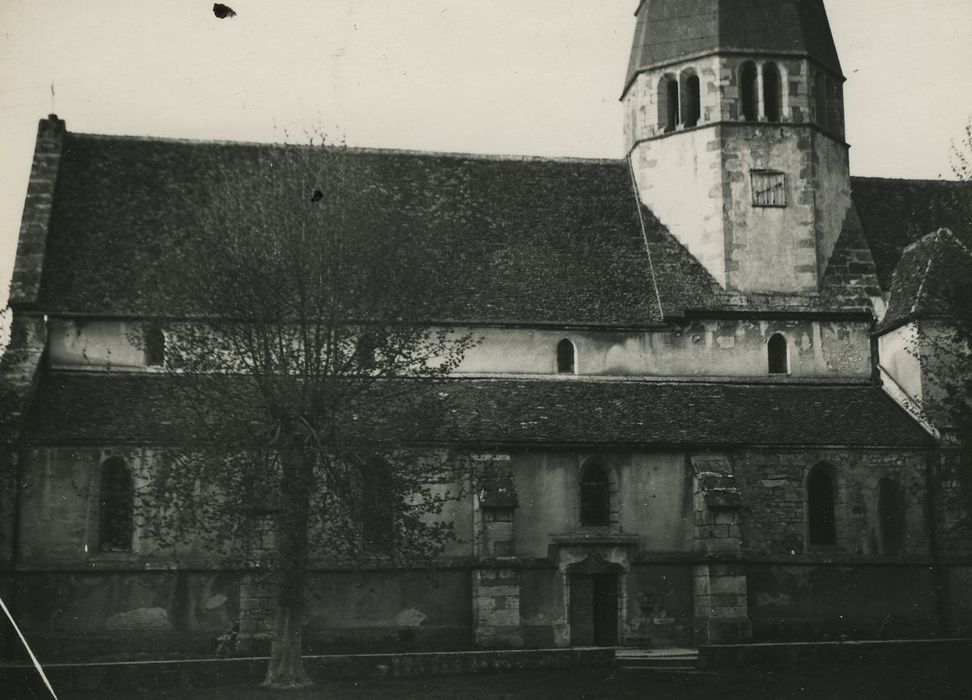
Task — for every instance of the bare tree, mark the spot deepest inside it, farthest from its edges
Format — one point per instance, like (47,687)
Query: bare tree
(941,300)
(948,359)
(298,342)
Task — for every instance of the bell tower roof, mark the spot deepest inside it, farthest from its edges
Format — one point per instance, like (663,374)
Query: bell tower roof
(669,31)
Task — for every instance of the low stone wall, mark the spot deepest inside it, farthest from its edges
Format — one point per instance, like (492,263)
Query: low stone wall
(803,655)
(132,676)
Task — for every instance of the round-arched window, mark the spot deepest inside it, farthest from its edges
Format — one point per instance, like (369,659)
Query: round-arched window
(595,496)
(777,356)
(566,357)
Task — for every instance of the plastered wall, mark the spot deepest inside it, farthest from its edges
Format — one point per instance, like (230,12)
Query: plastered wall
(679,178)
(898,352)
(653,498)
(699,348)
(97,344)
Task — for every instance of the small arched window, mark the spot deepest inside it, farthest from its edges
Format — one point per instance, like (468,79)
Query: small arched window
(154,346)
(116,507)
(891,515)
(595,496)
(777,355)
(748,92)
(772,92)
(691,99)
(566,357)
(820,506)
(668,104)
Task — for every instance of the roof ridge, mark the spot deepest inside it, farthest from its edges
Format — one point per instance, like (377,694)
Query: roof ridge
(933,236)
(350,149)
(921,285)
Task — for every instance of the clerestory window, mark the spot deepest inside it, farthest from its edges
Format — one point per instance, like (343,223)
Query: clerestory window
(566,357)
(777,355)
(154,346)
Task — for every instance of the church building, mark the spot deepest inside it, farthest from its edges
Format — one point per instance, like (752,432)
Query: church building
(695,383)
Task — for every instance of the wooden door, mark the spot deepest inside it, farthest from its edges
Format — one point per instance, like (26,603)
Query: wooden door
(593,610)
(581,610)
(605,599)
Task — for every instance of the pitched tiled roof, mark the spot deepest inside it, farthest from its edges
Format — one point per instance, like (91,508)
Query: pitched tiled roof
(512,239)
(896,213)
(933,279)
(669,30)
(114,407)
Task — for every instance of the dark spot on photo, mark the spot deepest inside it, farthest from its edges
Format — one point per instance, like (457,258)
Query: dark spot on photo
(222,11)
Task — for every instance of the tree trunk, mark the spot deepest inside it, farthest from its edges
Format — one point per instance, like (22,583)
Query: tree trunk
(286,668)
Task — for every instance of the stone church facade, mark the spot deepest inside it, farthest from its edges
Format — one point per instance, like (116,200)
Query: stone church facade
(692,389)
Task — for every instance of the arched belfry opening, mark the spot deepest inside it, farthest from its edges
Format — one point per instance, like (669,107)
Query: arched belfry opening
(748,92)
(691,99)
(772,92)
(668,111)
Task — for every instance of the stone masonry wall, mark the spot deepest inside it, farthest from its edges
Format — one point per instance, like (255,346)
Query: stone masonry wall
(720,590)
(773,485)
(496,607)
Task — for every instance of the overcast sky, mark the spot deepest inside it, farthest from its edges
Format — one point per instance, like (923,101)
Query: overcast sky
(485,76)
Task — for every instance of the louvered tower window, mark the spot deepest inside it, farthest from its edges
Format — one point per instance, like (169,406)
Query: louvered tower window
(769,188)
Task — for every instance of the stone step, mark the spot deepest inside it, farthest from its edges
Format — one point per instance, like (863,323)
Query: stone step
(674,671)
(669,662)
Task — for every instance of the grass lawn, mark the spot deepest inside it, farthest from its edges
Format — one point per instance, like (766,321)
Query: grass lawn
(924,679)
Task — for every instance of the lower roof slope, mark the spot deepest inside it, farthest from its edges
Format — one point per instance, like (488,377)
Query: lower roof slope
(110,408)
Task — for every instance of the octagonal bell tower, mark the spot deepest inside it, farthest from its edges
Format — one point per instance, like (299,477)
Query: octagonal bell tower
(734,126)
